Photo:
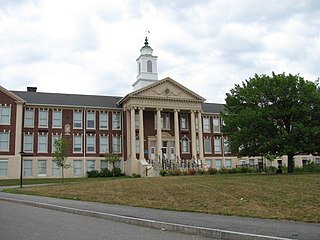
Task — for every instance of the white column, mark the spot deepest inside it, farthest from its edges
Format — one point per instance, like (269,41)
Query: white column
(176,133)
(128,122)
(159,137)
(141,131)
(193,135)
(201,156)
(133,134)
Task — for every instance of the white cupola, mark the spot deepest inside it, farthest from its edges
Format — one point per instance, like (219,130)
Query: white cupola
(146,67)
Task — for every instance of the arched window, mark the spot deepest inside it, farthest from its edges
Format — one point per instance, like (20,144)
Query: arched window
(185,145)
(149,66)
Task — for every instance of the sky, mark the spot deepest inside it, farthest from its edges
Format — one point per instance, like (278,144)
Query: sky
(91,47)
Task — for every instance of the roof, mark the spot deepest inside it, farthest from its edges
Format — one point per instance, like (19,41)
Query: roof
(59,99)
(213,107)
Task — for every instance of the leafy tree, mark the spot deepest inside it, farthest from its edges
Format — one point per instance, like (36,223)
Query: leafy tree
(112,159)
(273,115)
(60,154)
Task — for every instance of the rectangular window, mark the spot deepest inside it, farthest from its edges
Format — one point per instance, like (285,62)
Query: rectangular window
(217,145)
(4,141)
(165,120)
(77,119)
(57,119)
(5,114)
(91,144)
(317,161)
(54,137)
(3,168)
(27,168)
(103,164)
(116,121)
(29,118)
(228,163)
(116,144)
(137,146)
(218,163)
(185,145)
(104,144)
(42,143)
(251,162)
(207,146)
(104,120)
(136,120)
(197,145)
(197,124)
(91,120)
(209,162)
(216,125)
(77,167)
(206,125)
(55,169)
(42,168)
(77,143)
(184,121)
(91,165)
(43,119)
(226,146)
(28,143)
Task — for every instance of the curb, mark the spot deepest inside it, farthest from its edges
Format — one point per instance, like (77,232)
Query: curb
(164,226)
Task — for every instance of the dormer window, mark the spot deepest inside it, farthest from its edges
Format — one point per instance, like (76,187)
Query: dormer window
(149,66)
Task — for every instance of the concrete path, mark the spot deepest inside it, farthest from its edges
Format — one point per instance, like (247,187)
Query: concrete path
(208,225)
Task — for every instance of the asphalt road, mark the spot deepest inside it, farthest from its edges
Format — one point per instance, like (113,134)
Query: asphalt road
(31,223)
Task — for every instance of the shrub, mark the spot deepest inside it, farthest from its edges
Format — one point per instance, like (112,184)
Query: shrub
(272,169)
(93,174)
(163,172)
(212,171)
(244,169)
(234,170)
(117,172)
(201,172)
(223,170)
(105,172)
(136,175)
(191,172)
(176,172)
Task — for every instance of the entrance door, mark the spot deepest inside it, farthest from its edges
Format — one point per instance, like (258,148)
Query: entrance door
(172,153)
(153,153)
(164,149)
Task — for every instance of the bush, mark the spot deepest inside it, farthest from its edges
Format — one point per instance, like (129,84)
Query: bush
(212,171)
(244,169)
(234,170)
(105,172)
(136,175)
(272,169)
(163,172)
(223,170)
(191,172)
(176,172)
(309,167)
(93,174)
(201,172)
(117,172)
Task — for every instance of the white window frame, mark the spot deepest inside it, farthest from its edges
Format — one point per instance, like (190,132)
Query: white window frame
(29,118)
(184,123)
(42,170)
(228,161)
(116,144)
(102,144)
(25,138)
(91,118)
(77,168)
(43,118)
(226,148)
(104,120)
(57,119)
(206,149)
(55,169)
(52,143)
(91,165)
(136,120)
(4,141)
(206,125)
(91,143)
(216,125)
(5,115)
(116,120)
(217,145)
(218,166)
(165,120)
(77,141)
(104,164)
(185,145)
(3,167)
(77,119)
(42,143)
(25,165)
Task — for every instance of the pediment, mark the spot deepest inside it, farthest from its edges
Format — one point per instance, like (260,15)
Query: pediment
(11,95)
(165,89)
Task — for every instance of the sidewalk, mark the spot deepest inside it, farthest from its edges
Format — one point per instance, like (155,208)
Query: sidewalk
(216,226)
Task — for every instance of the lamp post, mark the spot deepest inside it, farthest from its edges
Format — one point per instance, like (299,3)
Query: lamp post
(21,167)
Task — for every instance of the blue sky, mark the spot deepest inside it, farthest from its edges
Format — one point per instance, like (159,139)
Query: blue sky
(91,47)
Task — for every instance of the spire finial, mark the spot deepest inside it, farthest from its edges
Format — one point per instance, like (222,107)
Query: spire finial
(146,41)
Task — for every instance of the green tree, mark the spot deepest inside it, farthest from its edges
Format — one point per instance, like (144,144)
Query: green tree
(60,154)
(112,159)
(273,115)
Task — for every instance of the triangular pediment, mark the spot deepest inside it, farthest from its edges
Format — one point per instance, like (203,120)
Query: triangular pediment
(165,89)
(11,95)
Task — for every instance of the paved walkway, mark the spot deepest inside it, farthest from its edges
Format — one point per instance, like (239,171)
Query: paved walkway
(215,226)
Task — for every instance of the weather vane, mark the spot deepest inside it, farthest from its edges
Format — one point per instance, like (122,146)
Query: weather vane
(147,31)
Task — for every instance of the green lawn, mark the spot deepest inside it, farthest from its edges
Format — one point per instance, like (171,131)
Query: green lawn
(291,197)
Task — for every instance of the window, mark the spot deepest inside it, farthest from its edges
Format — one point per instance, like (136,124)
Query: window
(3,168)
(197,145)
(91,165)
(209,162)
(317,161)
(103,164)
(77,167)
(91,144)
(42,143)
(4,141)
(103,120)
(91,120)
(136,120)
(217,145)
(216,125)
(104,144)
(137,145)
(116,144)
(27,168)
(77,143)
(226,146)
(206,125)
(116,121)
(55,169)
(185,145)
(197,124)
(184,121)
(54,137)
(43,119)
(28,143)
(42,167)
(207,145)
(57,119)
(29,118)
(149,66)
(242,162)
(165,120)
(228,163)
(251,162)
(5,113)
(218,163)
(77,119)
